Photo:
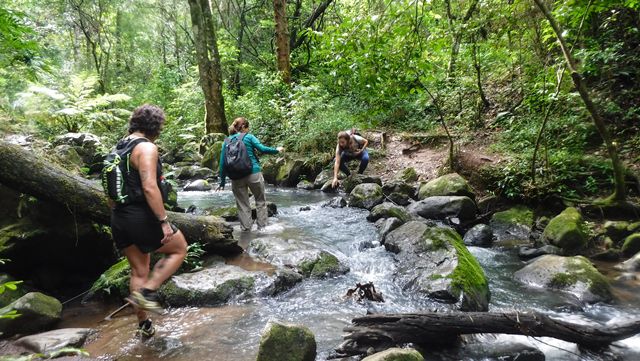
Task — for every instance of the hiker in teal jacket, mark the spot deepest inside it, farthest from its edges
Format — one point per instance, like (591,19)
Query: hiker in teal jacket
(253,182)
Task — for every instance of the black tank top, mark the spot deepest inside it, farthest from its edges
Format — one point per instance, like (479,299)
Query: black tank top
(134,183)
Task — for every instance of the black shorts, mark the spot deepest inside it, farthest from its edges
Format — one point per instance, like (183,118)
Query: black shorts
(136,224)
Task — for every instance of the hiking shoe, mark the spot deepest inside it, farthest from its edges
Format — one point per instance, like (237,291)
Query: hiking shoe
(146,329)
(146,300)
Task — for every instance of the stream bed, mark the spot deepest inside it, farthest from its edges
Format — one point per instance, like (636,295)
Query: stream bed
(232,332)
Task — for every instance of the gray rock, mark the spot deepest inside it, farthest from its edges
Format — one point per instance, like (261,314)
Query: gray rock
(529,252)
(299,255)
(617,230)
(354,180)
(400,199)
(396,354)
(512,226)
(198,185)
(396,186)
(280,342)
(407,175)
(366,195)
(434,261)
(501,351)
(632,264)
(193,172)
(451,184)
(388,210)
(68,155)
(38,312)
(443,207)
(573,275)
(336,202)
(479,235)
(47,342)
(322,178)
(327,187)
(388,225)
(306,185)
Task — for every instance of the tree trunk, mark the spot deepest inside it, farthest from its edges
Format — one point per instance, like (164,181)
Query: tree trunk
(208,65)
(456,37)
(476,65)
(25,172)
(620,190)
(282,40)
(384,331)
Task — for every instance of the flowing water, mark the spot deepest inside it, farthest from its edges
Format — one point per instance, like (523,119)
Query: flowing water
(232,332)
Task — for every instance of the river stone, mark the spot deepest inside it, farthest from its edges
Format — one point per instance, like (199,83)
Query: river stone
(366,195)
(323,177)
(211,286)
(38,312)
(47,342)
(631,245)
(87,145)
(407,175)
(354,180)
(305,185)
(396,354)
(573,275)
(479,235)
(616,230)
(434,261)
(396,186)
(289,173)
(388,210)
(68,155)
(567,230)
(211,157)
(200,185)
(299,255)
(400,199)
(501,351)
(448,185)
(632,264)
(529,252)
(283,342)
(443,207)
(230,214)
(193,172)
(335,202)
(328,187)
(513,224)
(388,225)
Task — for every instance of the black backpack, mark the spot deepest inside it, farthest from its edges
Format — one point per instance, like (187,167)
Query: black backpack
(237,164)
(116,171)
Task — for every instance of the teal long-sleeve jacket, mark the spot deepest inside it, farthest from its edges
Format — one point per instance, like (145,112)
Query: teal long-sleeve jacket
(252,143)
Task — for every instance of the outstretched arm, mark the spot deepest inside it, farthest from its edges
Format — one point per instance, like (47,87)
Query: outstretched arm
(336,167)
(261,147)
(221,170)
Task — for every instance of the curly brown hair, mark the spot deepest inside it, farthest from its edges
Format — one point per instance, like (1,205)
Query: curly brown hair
(147,119)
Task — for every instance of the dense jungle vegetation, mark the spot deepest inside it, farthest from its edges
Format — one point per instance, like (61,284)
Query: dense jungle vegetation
(492,71)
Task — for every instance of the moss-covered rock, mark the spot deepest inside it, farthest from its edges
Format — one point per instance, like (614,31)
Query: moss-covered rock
(366,195)
(290,172)
(451,184)
(435,261)
(616,230)
(281,342)
(323,266)
(567,230)
(631,245)
(513,224)
(68,156)
(396,354)
(407,175)
(305,184)
(388,210)
(192,172)
(211,157)
(38,312)
(351,182)
(323,177)
(573,275)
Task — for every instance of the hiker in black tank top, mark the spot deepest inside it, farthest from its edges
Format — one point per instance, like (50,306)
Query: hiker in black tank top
(140,226)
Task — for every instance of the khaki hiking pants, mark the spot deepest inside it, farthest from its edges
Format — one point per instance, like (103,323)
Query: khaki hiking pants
(240,188)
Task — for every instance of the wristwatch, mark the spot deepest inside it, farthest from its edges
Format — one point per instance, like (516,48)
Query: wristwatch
(163,220)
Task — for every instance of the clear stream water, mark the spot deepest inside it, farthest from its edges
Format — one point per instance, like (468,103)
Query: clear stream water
(232,332)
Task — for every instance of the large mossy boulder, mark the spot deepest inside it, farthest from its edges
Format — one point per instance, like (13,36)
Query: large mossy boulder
(451,184)
(366,195)
(567,230)
(443,207)
(407,175)
(282,342)
(573,275)
(351,182)
(388,210)
(631,245)
(434,261)
(211,157)
(38,312)
(396,354)
(304,257)
(290,172)
(323,177)
(86,145)
(513,224)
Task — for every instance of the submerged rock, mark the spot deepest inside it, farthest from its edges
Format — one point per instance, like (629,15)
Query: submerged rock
(198,185)
(514,224)
(567,230)
(435,261)
(631,245)
(529,252)
(451,184)
(354,180)
(282,342)
(336,202)
(38,312)
(396,354)
(443,207)
(50,341)
(366,195)
(230,214)
(573,275)
(479,235)
(301,256)
(388,210)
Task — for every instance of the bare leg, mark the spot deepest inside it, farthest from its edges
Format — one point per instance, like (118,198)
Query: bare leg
(139,263)
(175,251)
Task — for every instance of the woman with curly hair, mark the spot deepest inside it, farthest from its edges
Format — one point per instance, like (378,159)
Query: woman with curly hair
(140,226)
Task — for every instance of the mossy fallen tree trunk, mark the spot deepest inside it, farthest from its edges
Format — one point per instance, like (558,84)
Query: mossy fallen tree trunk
(23,171)
(385,331)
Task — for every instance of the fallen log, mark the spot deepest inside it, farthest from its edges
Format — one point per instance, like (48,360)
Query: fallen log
(433,328)
(24,171)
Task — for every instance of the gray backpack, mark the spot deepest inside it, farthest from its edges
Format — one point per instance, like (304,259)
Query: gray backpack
(237,164)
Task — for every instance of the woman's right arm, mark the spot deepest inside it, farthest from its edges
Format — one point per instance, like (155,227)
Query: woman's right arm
(336,167)
(261,147)
(221,170)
